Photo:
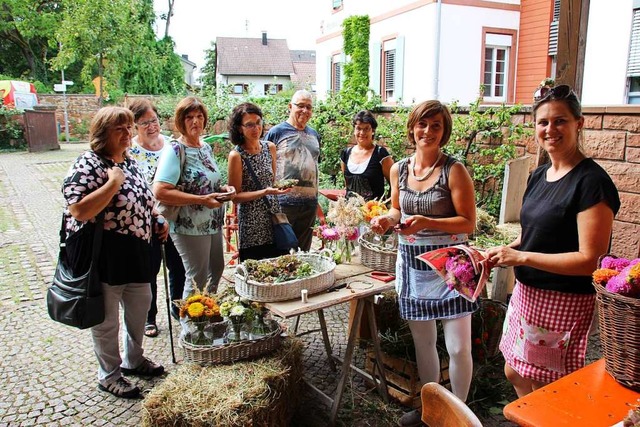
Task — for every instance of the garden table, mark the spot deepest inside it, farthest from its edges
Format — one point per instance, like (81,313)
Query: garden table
(352,284)
(586,397)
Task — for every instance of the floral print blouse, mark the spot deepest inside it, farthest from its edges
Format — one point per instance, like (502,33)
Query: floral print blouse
(200,175)
(147,159)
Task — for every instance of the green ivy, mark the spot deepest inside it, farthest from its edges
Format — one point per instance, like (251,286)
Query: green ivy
(355,33)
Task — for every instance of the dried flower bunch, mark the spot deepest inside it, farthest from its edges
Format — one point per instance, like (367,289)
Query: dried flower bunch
(619,276)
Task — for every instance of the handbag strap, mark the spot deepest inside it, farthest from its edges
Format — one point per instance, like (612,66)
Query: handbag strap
(254,177)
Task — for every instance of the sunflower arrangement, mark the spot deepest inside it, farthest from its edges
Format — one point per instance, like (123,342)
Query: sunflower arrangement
(199,307)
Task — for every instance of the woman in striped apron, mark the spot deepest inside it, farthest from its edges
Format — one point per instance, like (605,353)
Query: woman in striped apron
(433,206)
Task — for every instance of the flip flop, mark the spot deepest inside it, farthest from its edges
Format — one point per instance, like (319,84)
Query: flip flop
(151,330)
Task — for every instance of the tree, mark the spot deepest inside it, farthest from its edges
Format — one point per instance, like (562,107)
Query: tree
(167,17)
(208,76)
(355,32)
(28,26)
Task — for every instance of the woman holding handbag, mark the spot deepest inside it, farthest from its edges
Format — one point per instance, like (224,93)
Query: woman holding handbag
(105,179)
(251,159)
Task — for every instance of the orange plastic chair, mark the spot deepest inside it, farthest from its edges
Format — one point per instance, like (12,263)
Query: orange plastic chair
(441,408)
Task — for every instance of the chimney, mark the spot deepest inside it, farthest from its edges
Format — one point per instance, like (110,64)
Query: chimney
(185,56)
(264,38)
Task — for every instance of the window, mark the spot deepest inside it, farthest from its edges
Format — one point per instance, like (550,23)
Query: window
(272,89)
(240,89)
(633,66)
(496,67)
(336,73)
(388,71)
(337,4)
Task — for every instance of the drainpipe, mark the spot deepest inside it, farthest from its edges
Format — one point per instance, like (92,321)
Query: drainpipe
(436,61)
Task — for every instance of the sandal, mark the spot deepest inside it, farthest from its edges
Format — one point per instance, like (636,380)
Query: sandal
(151,330)
(146,369)
(122,387)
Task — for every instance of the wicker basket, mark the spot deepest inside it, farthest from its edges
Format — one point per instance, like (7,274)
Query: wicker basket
(283,291)
(232,352)
(619,318)
(376,255)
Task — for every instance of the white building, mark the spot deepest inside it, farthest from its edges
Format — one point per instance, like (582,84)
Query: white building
(427,49)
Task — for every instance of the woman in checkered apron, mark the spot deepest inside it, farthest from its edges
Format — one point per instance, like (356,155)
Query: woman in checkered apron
(433,206)
(566,217)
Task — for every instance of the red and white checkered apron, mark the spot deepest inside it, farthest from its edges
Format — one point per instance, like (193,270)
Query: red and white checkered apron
(537,323)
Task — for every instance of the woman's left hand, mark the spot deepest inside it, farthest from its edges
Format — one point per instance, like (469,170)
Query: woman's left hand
(161,228)
(503,256)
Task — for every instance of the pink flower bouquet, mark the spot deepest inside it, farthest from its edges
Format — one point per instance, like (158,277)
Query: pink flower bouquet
(462,268)
(619,276)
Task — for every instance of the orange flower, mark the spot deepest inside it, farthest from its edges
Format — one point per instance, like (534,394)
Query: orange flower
(602,275)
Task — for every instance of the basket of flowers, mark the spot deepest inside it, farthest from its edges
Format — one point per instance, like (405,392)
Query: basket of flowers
(244,333)
(617,284)
(283,278)
(377,252)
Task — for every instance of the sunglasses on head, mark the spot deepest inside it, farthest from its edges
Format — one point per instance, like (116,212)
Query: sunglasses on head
(556,92)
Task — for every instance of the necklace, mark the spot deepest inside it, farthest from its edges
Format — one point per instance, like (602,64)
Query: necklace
(429,172)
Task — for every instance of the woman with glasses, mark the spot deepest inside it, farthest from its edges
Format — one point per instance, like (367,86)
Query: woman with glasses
(256,200)
(188,176)
(146,148)
(365,165)
(566,218)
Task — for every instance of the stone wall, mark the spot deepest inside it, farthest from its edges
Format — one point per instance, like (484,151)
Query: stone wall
(611,137)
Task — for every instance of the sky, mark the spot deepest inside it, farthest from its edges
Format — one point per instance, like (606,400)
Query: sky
(196,23)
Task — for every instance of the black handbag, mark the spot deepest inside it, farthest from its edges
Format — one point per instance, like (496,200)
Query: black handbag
(75,296)
(284,237)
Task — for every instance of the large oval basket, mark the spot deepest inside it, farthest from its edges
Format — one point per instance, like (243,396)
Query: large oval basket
(378,254)
(283,291)
(232,352)
(619,318)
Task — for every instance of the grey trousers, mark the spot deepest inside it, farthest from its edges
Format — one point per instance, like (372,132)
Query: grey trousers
(135,299)
(203,260)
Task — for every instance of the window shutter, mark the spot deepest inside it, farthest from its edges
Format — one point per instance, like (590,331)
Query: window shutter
(633,68)
(399,69)
(553,29)
(374,67)
(390,66)
(329,75)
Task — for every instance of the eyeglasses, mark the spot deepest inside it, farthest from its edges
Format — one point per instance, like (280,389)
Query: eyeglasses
(252,125)
(556,92)
(148,123)
(307,107)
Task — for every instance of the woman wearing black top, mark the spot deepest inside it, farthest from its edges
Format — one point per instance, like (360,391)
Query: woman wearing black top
(567,218)
(365,165)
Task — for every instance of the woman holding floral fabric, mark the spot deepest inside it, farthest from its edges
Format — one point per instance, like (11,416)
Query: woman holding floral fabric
(365,165)
(432,206)
(106,179)
(254,216)
(566,218)
(197,188)
(146,149)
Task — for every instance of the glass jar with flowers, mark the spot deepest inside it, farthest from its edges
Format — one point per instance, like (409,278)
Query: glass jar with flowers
(202,320)
(344,216)
(240,315)
(259,327)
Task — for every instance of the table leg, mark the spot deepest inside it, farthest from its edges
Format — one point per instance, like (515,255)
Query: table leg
(346,363)
(325,338)
(296,324)
(373,328)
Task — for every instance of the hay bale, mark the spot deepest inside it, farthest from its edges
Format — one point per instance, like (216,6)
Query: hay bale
(260,392)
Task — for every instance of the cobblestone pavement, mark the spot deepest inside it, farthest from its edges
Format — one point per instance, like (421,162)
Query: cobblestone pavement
(48,371)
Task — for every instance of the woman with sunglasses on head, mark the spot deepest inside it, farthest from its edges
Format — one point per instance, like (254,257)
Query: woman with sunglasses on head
(432,206)
(566,218)
(146,148)
(365,165)
(254,215)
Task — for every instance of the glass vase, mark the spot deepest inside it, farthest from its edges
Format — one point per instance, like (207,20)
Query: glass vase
(237,330)
(200,333)
(259,328)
